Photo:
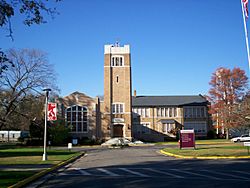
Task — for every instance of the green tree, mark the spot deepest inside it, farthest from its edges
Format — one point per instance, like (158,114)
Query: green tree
(37,129)
(58,132)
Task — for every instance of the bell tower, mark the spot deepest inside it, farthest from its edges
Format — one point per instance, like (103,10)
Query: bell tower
(117,117)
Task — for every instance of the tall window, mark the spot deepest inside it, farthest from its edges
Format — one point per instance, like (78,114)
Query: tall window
(117,61)
(118,108)
(77,116)
(167,127)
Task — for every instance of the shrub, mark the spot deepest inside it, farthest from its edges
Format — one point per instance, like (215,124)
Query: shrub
(211,134)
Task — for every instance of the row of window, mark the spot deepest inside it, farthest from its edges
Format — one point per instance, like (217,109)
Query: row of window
(167,112)
(161,112)
(199,127)
(143,112)
(194,112)
(144,127)
(189,112)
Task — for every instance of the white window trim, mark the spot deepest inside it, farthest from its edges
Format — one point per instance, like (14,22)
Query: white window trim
(116,56)
(123,104)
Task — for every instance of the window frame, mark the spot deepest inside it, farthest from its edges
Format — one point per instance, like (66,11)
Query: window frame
(118,108)
(117,61)
(83,121)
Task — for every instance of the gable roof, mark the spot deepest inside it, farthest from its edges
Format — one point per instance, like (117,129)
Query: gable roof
(144,101)
(76,98)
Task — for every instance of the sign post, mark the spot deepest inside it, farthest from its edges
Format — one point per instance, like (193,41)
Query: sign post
(247,144)
(187,139)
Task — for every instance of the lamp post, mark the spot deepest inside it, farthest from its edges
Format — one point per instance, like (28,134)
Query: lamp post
(47,90)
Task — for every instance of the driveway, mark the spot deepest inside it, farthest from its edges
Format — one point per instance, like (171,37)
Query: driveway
(145,167)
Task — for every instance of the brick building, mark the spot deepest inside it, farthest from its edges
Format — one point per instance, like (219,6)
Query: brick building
(149,118)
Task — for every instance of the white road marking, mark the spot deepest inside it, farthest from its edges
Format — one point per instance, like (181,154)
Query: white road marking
(241,172)
(107,172)
(163,172)
(133,172)
(226,174)
(196,174)
(82,171)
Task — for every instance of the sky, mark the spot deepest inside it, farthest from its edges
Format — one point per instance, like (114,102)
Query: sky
(176,45)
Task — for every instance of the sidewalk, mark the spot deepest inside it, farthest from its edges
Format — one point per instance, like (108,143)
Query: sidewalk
(25,167)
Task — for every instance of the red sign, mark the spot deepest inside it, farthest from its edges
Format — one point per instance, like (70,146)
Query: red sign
(52,112)
(187,138)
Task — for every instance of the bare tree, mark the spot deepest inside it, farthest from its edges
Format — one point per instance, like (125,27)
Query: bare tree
(227,88)
(29,75)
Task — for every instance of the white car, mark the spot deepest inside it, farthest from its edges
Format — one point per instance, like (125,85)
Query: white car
(242,138)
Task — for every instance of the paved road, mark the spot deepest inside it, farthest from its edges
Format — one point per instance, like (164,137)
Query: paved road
(144,167)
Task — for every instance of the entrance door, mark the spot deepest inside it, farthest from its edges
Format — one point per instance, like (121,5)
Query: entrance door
(117,130)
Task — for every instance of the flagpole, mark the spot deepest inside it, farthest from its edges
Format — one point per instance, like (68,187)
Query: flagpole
(246,34)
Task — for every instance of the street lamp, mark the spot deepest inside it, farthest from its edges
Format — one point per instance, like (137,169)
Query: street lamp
(47,90)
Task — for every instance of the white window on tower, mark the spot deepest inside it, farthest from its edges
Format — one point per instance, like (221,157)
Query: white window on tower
(117,61)
(118,108)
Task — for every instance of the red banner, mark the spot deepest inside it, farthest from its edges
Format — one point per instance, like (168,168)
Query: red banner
(52,112)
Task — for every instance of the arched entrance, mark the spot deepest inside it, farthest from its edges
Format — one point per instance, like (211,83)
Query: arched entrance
(117,130)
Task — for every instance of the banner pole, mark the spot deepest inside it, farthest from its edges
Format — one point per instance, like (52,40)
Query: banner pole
(246,34)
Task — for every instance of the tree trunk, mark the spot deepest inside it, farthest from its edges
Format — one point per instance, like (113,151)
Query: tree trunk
(227,133)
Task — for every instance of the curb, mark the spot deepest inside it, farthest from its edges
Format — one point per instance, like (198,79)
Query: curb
(44,172)
(209,157)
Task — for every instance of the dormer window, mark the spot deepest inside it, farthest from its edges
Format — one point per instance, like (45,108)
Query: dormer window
(117,61)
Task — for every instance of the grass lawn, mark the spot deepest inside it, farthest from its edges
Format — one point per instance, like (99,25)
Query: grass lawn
(206,148)
(33,156)
(27,156)
(10,178)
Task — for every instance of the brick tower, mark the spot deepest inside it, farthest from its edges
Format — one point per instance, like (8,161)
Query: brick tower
(117,118)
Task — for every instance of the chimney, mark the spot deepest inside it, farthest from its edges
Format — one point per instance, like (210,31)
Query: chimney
(134,93)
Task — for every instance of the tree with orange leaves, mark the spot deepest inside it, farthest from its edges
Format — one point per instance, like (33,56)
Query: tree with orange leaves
(227,89)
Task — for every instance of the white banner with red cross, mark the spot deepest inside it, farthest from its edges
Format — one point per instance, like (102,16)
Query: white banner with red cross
(52,112)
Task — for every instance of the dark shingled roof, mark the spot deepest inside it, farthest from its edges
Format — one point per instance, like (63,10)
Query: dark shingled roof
(168,100)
